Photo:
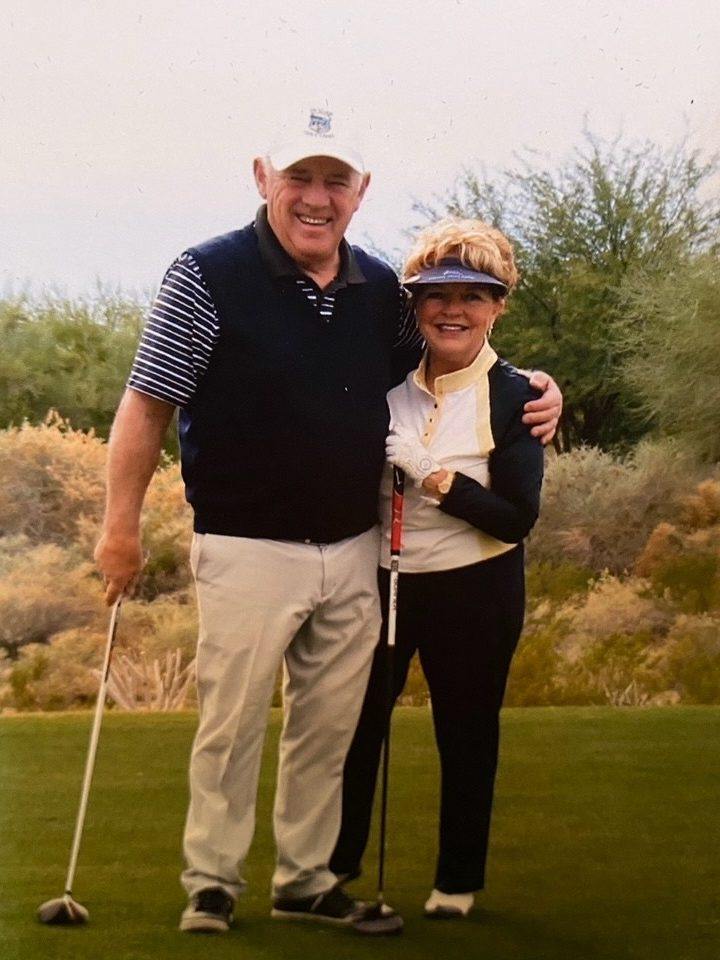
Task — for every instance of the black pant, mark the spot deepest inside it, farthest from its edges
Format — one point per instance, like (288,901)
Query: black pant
(465,624)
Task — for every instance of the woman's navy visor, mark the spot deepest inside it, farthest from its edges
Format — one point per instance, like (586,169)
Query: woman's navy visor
(452,270)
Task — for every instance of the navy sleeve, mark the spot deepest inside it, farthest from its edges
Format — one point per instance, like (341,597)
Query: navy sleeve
(509,509)
(408,346)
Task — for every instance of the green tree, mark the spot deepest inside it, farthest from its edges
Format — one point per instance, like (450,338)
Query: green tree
(72,356)
(672,337)
(582,231)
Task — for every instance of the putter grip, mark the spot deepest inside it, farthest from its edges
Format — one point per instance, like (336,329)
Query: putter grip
(397,511)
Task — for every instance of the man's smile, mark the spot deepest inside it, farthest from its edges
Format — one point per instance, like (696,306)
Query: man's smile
(313,221)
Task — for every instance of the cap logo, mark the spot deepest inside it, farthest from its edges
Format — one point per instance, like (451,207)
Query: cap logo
(320,123)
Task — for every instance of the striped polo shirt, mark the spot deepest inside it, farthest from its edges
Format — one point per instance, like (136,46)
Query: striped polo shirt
(182,327)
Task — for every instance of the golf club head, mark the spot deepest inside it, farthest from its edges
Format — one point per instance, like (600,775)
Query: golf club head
(64,911)
(378,920)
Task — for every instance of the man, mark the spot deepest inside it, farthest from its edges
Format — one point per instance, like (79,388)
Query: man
(278,342)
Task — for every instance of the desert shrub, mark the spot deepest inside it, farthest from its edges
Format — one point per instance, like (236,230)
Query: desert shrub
(43,590)
(534,674)
(141,682)
(614,607)
(62,672)
(53,492)
(600,646)
(6,668)
(614,636)
(701,508)
(690,660)
(56,676)
(154,663)
(682,560)
(692,580)
(617,669)
(664,541)
(599,510)
(620,670)
(167,531)
(52,476)
(164,625)
(556,581)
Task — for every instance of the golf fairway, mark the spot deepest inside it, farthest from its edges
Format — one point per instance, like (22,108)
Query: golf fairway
(605,844)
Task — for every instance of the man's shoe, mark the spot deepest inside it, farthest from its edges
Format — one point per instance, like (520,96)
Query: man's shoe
(332,906)
(208,911)
(448,906)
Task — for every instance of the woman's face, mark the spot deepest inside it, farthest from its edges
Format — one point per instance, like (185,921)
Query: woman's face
(454,319)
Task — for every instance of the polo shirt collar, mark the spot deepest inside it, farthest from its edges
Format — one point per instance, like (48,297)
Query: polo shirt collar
(458,379)
(280,264)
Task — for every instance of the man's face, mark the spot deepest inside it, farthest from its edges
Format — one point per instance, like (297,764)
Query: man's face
(310,205)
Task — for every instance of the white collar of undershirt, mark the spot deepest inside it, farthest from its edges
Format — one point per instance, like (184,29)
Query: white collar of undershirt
(458,379)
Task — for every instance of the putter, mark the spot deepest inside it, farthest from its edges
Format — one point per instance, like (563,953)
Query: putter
(378,919)
(66,910)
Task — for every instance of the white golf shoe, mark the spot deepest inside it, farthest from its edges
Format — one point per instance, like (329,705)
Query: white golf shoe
(446,906)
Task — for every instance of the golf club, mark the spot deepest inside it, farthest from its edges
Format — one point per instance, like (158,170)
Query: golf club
(379,919)
(66,910)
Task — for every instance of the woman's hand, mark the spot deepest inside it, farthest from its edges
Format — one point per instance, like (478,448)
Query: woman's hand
(438,484)
(544,412)
(408,453)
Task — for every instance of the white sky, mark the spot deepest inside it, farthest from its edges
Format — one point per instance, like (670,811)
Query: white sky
(127,130)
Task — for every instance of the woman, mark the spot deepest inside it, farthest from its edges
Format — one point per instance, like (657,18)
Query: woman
(457,431)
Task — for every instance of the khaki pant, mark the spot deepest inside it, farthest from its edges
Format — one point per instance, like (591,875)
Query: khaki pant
(261,601)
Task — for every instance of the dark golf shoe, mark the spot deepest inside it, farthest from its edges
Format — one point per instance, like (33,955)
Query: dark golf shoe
(208,911)
(333,906)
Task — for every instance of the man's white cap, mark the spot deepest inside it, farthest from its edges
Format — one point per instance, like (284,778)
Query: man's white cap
(318,134)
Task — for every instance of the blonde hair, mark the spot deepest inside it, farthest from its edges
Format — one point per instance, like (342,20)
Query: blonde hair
(475,243)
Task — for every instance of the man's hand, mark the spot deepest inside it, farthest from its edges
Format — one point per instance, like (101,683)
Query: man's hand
(544,413)
(410,455)
(133,452)
(120,560)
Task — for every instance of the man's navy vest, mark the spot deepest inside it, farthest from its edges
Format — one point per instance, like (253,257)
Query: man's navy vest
(284,437)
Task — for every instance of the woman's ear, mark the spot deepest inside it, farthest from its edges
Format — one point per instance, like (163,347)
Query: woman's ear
(501,305)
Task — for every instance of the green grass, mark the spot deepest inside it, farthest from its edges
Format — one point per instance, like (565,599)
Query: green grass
(605,842)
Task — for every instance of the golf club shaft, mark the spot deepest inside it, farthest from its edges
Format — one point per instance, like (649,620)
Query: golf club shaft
(92,749)
(395,548)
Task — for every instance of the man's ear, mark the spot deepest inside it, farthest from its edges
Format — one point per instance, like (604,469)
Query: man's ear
(261,176)
(364,183)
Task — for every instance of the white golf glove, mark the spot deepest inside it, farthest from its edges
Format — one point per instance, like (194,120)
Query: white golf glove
(410,455)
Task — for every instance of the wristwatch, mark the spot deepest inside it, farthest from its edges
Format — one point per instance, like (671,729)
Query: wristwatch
(444,486)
